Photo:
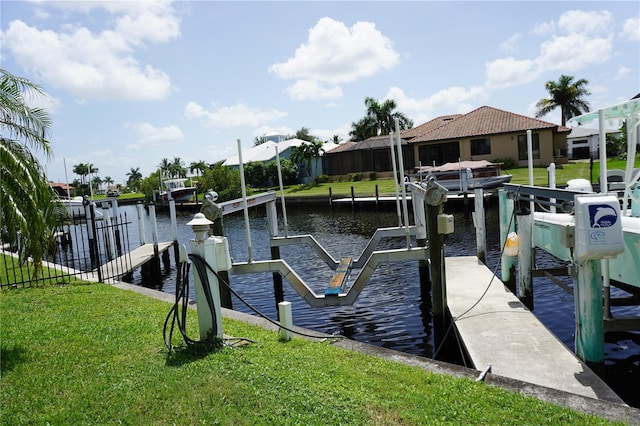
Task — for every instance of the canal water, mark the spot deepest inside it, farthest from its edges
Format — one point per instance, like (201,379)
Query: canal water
(390,311)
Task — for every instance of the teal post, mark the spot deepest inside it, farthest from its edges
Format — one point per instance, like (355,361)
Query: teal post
(589,340)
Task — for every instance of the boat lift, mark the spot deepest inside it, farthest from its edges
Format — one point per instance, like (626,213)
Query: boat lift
(336,292)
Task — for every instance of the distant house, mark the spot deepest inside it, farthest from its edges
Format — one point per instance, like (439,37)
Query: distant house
(488,133)
(266,152)
(370,155)
(62,189)
(485,133)
(583,143)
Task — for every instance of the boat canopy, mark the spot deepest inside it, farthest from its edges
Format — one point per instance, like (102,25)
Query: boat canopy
(460,165)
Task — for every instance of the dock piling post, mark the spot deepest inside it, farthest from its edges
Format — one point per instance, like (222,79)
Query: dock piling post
(479,223)
(508,267)
(156,275)
(272,220)
(524,219)
(589,335)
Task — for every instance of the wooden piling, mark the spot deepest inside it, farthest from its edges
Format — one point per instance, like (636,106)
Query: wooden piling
(589,336)
(507,225)
(524,220)
(479,223)
(272,220)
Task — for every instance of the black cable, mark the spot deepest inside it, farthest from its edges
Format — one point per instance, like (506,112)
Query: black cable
(178,317)
(197,259)
(484,293)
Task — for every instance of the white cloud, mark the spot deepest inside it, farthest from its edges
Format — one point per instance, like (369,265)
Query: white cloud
(150,135)
(631,29)
(509,72)
(309,89)
(511,44)
(238,115)
(583,39)
(456,99)
(587,23)
(623,72)
(97,65)
(573,52)
(335,54)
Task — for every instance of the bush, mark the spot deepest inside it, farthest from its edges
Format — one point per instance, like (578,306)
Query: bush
(373,176)
(355,177)
(322,179)
(507,163)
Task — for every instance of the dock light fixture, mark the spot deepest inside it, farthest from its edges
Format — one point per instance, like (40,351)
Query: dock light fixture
(200,225)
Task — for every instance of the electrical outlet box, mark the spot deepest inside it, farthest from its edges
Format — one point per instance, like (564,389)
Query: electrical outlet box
(598,231)
(445,224)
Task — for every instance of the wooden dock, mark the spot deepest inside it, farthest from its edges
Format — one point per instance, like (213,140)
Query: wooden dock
(129,262)
(500,331)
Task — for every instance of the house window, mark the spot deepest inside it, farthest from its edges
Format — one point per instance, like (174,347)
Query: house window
(480,146)
(581,142)
(535,146)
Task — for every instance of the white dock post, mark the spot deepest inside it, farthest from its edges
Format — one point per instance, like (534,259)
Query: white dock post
(141,232)
(525,257)
(209,321)
(106,218)
(286,319)
(507,225)
(478,221)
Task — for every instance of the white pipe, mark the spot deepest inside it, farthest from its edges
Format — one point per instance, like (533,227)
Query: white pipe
(244,202)
(603,153)
(530,167)
(395,178)
(552,183)
(284,208)
(174,222)
(404,186)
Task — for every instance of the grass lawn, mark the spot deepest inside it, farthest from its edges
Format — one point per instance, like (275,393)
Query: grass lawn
(94,354)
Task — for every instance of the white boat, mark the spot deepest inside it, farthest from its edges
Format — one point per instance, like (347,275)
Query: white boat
(175,189)
(75,208)
(465,176)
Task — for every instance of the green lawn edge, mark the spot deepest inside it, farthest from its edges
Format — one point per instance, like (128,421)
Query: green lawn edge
(94,354)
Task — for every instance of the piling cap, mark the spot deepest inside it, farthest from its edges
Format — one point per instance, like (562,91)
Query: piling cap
(199,220)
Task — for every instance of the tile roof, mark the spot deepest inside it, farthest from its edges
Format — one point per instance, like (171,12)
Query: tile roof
(428,126)
(479,122)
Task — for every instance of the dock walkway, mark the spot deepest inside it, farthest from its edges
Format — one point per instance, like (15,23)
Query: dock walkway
(500,331)
(129,262)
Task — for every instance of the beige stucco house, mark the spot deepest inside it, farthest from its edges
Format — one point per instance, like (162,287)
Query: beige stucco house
(485,133)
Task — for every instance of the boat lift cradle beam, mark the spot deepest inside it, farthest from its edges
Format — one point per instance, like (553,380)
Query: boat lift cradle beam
(330,260)
(342,299)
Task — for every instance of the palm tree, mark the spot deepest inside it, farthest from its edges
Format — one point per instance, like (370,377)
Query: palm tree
(134,178)
(25,194)
(81,170)
(380,120)
(566,95)
(306,152)
(177,168)
(198,166)
(107,180)
(164,166)
(335,139)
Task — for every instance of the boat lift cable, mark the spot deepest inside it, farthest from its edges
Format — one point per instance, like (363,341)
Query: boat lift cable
(484,293)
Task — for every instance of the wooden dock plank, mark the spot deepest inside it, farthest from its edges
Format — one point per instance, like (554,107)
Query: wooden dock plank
(129,262)
(340,276)
(500,331)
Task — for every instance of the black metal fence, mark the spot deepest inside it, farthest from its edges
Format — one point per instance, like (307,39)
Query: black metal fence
(90,246)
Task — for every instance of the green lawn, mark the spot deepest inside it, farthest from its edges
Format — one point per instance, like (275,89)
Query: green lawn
(94,354)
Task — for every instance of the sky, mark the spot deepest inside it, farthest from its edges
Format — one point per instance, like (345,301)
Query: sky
(130,83)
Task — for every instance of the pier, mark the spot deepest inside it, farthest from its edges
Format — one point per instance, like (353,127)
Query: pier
(129,262)
(500,332)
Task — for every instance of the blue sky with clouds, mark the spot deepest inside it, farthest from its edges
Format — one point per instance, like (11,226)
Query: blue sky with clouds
(131,83)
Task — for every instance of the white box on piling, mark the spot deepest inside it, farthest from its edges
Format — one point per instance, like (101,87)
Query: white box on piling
(598,230)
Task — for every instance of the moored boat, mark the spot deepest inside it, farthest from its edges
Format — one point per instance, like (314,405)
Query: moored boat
(175,189)
(465,176)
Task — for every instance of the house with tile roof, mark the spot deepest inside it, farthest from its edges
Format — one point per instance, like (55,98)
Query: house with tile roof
(485,133)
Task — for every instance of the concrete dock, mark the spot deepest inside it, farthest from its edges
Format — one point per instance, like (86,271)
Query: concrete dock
(500,331)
